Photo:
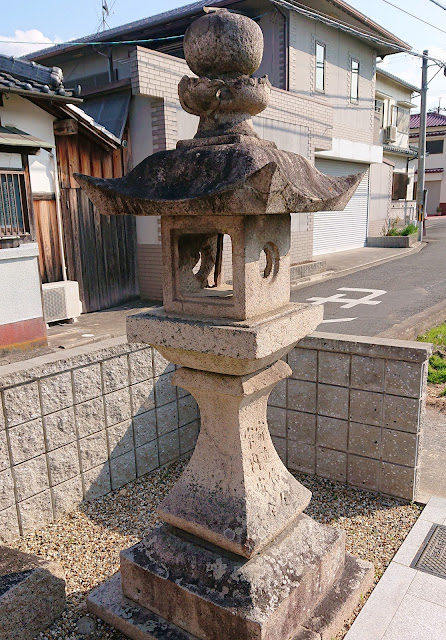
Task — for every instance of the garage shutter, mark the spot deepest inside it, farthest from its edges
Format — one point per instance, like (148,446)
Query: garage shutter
(342,230)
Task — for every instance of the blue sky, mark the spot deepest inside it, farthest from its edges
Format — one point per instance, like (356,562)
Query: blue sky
(60,20)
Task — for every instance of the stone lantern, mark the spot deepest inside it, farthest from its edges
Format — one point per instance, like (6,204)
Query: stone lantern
(235,558)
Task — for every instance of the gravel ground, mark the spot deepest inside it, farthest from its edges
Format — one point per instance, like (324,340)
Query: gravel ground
(87,542)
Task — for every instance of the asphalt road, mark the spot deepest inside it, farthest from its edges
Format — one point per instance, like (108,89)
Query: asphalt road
(390,293)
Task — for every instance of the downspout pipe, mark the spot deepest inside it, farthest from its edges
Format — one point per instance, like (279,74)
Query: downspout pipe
(58,213)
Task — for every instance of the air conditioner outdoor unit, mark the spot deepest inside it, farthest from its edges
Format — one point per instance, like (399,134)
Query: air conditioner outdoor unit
(390,133)
(61,301)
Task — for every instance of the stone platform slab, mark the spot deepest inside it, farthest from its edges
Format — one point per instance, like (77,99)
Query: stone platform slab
(303,586)
(108,603)
(32,594)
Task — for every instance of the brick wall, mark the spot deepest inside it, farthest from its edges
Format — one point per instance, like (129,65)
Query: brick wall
(351,411)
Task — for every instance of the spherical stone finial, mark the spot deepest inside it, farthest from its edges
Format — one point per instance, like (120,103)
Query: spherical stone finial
(222,43)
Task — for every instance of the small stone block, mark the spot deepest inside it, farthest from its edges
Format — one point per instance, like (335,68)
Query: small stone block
(303,362)
(302,427)
(331,464)
(90,417)
(7,497)
(277,421)
(277,397)
(301,457)
(366,407)
(67,496)
(404,378)
(64,463)
(399,447)
(31,477)
(169,447)
(26,441)
(302,396)
(87,383)
(56,392)
(93,450)
(115,373)
(367,373)
(143,397)
(123,470)
(167,418)
(363,472)
(144,427)
(333,401)
(147,458)
(32,594)
(364,440)
(187,410)
(160,364)
(97,481)
(332,433)
(117,406)
(10,524)
(60,428)
(334,368)
(141,365)
(164,391)
(401,413)
(397,481)
(22,403)
(36,512)
(120,438)
(4,455)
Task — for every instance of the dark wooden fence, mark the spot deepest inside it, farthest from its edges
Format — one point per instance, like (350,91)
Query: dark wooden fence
(100,251)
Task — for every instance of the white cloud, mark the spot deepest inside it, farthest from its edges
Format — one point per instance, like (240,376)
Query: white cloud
(31,36)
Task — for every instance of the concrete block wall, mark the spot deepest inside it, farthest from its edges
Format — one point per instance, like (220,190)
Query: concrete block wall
(78,428)
(351,411)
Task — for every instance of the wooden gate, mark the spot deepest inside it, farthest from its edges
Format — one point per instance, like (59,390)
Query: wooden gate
(100,251)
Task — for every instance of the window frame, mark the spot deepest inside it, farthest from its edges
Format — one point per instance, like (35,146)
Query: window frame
(354,100)
(438,142)
(20,227)
(318,44)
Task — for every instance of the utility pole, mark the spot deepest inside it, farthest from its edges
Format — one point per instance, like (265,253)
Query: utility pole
(422,148)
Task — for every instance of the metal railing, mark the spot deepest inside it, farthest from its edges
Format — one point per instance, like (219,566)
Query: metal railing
(14,216)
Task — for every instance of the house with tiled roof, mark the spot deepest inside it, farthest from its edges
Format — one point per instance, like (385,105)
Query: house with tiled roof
(320,56)
(48,235)
(435,182)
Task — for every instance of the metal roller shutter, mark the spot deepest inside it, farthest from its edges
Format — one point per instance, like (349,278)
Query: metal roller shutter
(342,230)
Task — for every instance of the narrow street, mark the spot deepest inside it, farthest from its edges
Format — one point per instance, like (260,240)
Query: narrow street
(375,299)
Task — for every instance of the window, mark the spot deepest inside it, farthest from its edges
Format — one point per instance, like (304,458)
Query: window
(320,67)
(14,219)
(394,115)
(354,84)
(399,188)
(379,108)
(434,146)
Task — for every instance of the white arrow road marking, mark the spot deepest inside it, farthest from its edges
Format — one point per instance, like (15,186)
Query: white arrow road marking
(351,302)
(339,320)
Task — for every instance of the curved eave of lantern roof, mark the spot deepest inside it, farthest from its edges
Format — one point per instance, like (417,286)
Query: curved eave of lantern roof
(247,179)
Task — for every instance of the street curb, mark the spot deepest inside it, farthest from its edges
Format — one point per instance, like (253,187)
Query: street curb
(412,327)
(329,275)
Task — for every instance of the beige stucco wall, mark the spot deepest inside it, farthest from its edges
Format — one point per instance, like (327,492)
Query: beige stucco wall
(350,121)
(379,203)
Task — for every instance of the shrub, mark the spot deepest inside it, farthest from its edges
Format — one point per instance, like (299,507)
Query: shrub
(409,229)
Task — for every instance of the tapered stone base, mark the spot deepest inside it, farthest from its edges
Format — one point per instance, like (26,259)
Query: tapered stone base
(302,587)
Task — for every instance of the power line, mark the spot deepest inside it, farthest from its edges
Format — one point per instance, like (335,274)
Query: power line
(414,16)
(439,4)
